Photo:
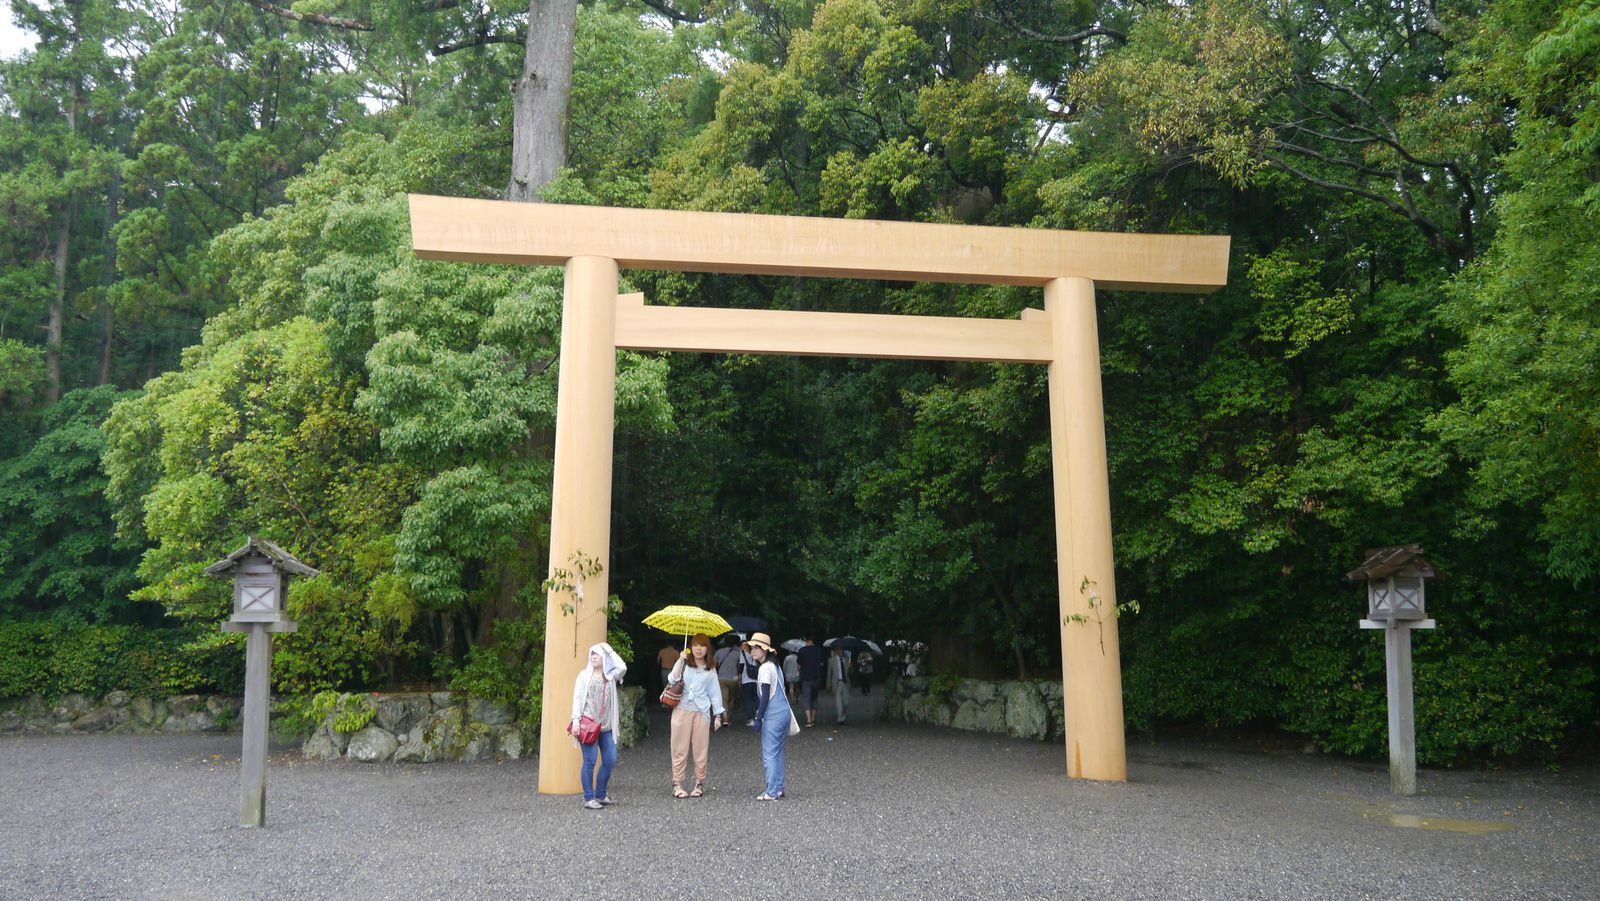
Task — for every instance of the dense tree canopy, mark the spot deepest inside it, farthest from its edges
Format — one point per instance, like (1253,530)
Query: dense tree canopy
(206,285)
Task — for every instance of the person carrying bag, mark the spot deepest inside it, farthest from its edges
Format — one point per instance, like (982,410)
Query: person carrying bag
(695,716)
(774,720)
(594,722)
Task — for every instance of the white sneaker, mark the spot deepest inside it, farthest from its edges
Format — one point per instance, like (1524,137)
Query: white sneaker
(592,804)
(749,722)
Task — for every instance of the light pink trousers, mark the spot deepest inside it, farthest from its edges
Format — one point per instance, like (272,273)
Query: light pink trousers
(691,735)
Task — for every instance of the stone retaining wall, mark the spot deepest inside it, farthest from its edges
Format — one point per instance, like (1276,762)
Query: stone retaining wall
(422,727)
(407,727)
(1017,708)
(120,712)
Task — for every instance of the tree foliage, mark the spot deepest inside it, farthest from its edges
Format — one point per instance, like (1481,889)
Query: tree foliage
(57,553)
(1529,368)
(1405,351)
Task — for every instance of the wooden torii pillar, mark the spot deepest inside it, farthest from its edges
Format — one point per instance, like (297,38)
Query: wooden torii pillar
(593,243)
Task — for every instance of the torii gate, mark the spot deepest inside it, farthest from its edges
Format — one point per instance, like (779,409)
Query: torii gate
(594,242)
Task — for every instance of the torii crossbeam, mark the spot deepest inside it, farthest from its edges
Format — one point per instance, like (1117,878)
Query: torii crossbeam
(593,243)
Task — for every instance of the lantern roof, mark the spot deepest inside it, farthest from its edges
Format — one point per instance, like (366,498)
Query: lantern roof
(280,559)
(1381,562)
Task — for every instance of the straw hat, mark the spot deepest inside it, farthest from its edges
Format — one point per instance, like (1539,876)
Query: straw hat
(760,640)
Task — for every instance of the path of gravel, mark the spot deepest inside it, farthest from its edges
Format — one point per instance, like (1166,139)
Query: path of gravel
(885,811)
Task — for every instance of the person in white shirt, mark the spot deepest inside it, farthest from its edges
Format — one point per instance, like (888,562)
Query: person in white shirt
(774,719)
(839,682)
(791,678)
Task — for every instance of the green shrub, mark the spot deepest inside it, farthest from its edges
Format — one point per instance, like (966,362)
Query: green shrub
(24,660)
(510,670)
(292,718)
(1333,690)
(349,712)
(1474,699)
(51,659)
(1201,669)
(942,685)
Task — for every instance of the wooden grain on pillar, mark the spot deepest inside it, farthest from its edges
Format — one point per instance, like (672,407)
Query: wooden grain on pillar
(1091,664)
(580,502)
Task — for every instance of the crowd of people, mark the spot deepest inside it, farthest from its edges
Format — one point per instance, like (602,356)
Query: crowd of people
(767,684)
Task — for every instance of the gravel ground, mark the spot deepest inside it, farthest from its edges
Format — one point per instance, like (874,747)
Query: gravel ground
(888,811)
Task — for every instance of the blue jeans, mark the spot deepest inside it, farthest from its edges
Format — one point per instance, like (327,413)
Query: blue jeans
(751,699)
(606,750)
(774,735)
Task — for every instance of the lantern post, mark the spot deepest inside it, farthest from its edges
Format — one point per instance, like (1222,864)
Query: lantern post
(261,572)
(1396,603)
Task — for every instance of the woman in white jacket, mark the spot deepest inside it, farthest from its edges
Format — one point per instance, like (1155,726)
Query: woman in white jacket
(594,694)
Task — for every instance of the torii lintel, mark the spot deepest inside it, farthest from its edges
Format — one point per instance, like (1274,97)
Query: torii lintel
(497,231)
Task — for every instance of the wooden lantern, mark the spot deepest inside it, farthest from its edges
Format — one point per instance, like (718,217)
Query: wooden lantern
(261,571)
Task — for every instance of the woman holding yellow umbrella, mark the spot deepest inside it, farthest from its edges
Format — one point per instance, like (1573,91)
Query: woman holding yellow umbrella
(698,715)
(700,711)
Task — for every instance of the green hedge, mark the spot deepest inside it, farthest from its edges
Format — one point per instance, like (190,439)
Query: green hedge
(1477,699)
(52,660)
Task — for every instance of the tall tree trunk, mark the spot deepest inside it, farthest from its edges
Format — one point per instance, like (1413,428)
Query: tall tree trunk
(58,311)
(58,302)
(109,317)
(107,314)
(502,604)
(539,98)
(447,629)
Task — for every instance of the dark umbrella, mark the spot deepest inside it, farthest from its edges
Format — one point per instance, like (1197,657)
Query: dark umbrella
(747,624)
(854,645)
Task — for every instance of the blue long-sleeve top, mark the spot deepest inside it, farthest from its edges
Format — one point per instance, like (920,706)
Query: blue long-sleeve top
(767,680)
(763,698)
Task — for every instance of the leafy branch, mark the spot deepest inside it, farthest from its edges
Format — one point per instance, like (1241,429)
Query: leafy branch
(1084,34)
(570,582)
(1097,610)
(311,18)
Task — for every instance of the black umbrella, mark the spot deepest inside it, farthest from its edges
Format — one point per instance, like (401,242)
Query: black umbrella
(747,624)
(854,645)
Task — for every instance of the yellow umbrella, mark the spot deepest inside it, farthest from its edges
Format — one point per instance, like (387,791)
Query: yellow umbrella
(685,620)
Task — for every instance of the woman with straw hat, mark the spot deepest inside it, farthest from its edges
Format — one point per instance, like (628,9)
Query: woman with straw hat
(774,721)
